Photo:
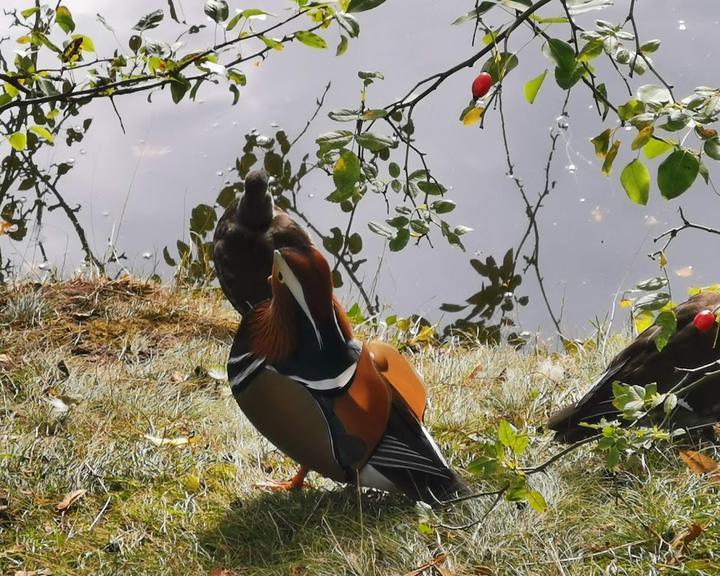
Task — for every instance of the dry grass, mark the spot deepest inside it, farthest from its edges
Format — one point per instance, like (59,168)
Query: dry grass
(88,370)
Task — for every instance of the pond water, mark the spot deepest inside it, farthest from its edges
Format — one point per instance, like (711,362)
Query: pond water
(136,188)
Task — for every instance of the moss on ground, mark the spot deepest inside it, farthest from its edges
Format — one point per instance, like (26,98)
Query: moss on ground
(116,389)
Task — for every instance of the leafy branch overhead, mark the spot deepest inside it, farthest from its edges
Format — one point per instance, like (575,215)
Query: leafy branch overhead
(375,153)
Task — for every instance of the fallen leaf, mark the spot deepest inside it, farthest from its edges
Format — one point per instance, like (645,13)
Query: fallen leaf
(681,541)
(700,464)
(177,377)
(477,372)
(4,359)
(41,572)
(179,441)
(70,499)
(5,227)
(434,563)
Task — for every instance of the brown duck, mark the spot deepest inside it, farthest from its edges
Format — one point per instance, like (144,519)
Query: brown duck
(244,241)
(350,411)
(641,364)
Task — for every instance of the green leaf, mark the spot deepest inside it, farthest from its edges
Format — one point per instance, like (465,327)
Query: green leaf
(346,171)
(443,206)
(333,140)
(677,173)
(355,244)
(532,87)
(652,284)
(374,142)
(506,433)
(667,321)
(217,10)
(178,87)
(650,46)
(394,169)
(342,46)
(18,140)
(536,501)
(362,5)
(500,64)
(601,142)
(400,240)
(657,147)
(344,115)
(431,188)
(42,132)
(311,39)
(567,69)
(651,302)
(64,19)
(635,179)
(29,12)
(650,93)
(272,43)
(149,21)
(380,229)
(348,23)
(631,108)
(610,158)
(474,13)
(712,148)
(169,260)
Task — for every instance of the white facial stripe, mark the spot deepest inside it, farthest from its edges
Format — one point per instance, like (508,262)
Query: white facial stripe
(293,284)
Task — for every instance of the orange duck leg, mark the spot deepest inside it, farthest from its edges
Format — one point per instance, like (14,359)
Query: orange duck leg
(295,483)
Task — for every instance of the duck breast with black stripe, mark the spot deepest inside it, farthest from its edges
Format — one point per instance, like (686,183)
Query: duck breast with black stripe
(246,236)
(350,411)
(688,365)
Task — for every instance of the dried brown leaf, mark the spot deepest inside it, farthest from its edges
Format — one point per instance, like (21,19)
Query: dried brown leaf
(682,540)
(700,464)
(5,227)
(70,499)
(41,572)
(434,563)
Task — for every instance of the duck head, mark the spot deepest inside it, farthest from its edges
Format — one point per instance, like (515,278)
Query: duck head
(303,312)
(255,208)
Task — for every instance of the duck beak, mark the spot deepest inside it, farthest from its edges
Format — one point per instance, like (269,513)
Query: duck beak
(285,275)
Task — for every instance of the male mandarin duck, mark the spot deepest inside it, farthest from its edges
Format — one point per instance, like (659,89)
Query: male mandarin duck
(694,346)
(352,412)
(246,236)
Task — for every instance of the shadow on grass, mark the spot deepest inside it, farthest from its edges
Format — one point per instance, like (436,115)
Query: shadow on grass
(289,531)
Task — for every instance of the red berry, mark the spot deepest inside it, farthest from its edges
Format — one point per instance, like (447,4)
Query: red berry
(704,320)
(481,85)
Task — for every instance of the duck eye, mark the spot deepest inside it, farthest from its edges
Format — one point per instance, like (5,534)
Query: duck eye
(280,276)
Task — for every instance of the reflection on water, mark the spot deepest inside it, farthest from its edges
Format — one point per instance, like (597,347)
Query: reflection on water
(137,189)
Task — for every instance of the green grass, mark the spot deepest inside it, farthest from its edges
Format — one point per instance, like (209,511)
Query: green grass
(88,369)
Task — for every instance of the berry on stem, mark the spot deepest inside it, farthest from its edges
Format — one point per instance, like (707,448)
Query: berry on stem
(704,320)
(481,85)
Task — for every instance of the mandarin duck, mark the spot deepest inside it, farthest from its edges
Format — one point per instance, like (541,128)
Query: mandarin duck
(350,411)
(244,240)
(689,353)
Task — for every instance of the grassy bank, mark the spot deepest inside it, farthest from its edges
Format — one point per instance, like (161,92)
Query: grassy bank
(113,410)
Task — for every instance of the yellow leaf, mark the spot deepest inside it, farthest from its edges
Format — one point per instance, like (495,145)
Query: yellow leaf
(662,260)
(70,499)
(626,302)
(643,321)
(473,115)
